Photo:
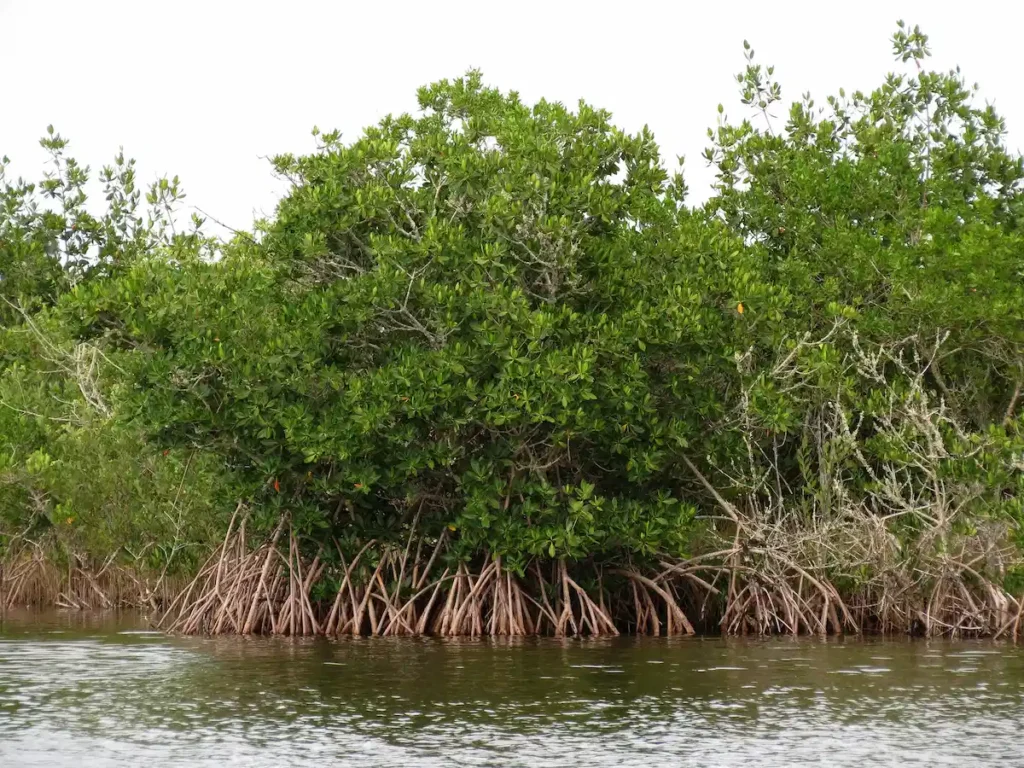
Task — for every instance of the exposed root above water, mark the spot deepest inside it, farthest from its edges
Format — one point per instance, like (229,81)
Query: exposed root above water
(382,591)
(33,577)
(284,587)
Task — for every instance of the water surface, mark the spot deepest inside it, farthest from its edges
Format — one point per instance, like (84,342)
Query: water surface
(81,690)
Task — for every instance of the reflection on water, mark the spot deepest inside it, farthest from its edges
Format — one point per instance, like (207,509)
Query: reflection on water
(99,691)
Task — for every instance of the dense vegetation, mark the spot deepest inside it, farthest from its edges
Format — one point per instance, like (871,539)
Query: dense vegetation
(486,372)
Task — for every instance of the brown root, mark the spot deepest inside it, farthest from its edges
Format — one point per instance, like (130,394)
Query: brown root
(644,591)
(766,578)
(383,591)
(32,577)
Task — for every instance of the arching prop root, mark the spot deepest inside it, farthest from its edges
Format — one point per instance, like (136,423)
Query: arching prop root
(956,602)
(767,591)
(241,591)
(286,587)
(32,577)
(797,606)
(382,591)
(647,595)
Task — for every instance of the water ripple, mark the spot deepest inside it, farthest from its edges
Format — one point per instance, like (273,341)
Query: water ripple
(81,692)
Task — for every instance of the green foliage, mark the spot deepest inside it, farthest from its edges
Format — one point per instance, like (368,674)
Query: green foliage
(502,324)
(899,208)
(72,476)
(895,214)
(467,316)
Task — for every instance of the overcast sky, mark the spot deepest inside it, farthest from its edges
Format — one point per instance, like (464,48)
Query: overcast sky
(207,90)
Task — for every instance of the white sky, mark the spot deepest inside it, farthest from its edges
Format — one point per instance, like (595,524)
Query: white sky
(207,89)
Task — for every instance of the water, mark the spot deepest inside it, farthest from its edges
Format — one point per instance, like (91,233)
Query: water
(92,692)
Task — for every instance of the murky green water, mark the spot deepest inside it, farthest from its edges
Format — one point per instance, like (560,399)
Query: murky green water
(92,691)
